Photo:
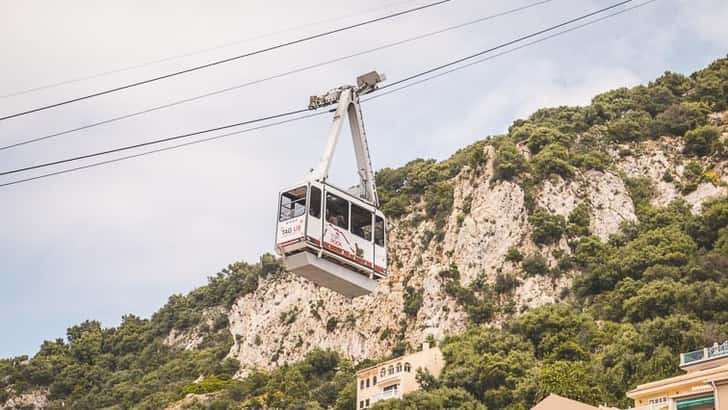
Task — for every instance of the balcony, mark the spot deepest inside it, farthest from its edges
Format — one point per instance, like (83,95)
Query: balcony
(707,353)
(387,394)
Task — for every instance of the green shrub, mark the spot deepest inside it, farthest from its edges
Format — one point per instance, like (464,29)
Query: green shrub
(509,163)
(702,140)
(535,265)
(438,202)
(331,324)
(632,126)
(537,137)
(413,299)
(547,228)
(579,220)
(595,160)
(692,177)
(553,159)
(505,283)
(679,118)
(513,255)
(467,204)
(207,385)
(641,190)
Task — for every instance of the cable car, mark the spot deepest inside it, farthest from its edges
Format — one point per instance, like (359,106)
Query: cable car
(331,236)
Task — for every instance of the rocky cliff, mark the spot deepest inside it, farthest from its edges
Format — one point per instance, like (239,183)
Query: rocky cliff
(287,316)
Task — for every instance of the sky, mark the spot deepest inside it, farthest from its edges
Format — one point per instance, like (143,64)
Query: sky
(118,239)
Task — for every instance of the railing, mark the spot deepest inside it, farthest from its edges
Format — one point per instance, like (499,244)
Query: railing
(387,394)
(717,350)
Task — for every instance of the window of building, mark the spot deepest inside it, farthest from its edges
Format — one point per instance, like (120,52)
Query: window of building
(314,207)
(337,211)
(367,382)
(293,204)
(361,404)
(391,369)
(366,403)
(379,231)
(361,222)
(383,372)
(407,367)
(374,381)
(399,367)
(361,385)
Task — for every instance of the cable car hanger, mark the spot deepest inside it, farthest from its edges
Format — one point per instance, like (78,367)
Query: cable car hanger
(347,98)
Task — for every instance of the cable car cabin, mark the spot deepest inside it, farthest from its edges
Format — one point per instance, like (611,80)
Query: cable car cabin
(332,238)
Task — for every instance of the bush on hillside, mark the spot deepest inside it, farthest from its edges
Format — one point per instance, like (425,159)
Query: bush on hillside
(553,160)
(677,119)
(509,163)
(547,227)
(702,140)
(632,126)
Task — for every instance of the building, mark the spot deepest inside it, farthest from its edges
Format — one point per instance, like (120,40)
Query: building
(396,377)
(704,386)
(556,402)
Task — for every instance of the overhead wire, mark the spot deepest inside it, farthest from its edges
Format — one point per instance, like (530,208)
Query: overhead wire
(169,148)
(509,51)
(153,142)
(591,22)
(506,44)
(279,75)
(162,140)
(226,60)
(202,51)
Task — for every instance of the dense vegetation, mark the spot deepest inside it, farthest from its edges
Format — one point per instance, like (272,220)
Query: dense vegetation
(562,141)
(656,289)
(646,295)
(130,365)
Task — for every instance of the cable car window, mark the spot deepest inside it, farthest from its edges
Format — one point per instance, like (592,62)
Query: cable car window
(337,211)
(314,207)
(361,222)
(379,231)
(293,204)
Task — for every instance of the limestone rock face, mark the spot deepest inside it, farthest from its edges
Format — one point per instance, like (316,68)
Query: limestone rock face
(287,316)
(32,400)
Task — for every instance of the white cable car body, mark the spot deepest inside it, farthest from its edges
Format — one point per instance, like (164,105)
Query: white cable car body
(334,237)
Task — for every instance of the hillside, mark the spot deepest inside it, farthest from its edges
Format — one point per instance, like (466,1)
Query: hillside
(578,254)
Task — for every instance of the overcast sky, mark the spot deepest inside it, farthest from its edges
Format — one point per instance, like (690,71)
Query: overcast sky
(122,238)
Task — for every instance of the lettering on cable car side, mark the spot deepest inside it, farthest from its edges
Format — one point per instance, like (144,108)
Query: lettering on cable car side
(290,230)
(337,241)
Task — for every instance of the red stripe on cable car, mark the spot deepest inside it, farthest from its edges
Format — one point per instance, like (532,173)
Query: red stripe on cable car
(347,254)
(292,241)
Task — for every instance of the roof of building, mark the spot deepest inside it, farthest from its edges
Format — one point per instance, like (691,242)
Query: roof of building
(700,376)
(556,402)
(397,359)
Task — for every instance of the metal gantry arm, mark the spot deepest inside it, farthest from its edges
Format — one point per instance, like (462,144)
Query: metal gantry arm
(347,100)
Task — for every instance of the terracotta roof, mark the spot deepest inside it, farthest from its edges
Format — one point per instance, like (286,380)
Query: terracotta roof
(556,402)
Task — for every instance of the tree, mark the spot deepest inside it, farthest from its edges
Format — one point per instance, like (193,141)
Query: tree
(509,163)
(547,228)
(631,126)
(553,159)
(702,140)
(574,380)
(677,119)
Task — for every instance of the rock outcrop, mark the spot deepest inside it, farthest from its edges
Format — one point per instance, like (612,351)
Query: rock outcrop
(288,316)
